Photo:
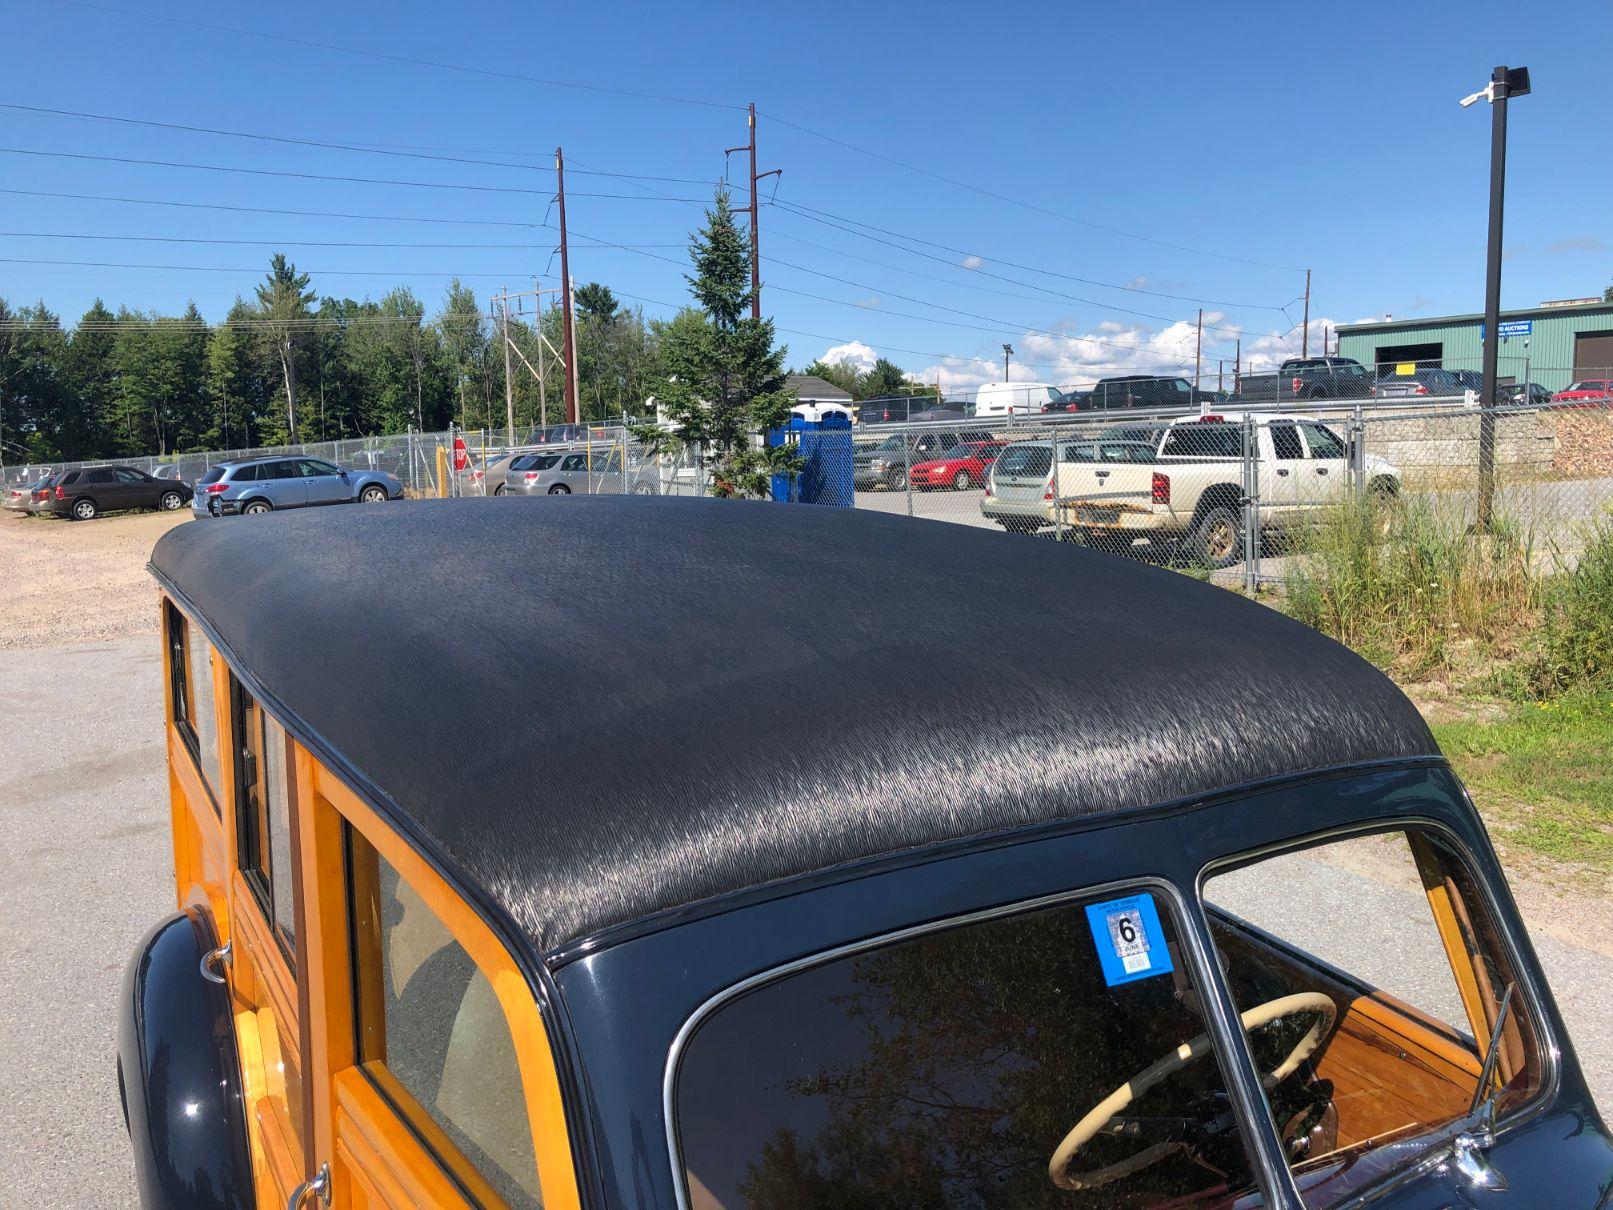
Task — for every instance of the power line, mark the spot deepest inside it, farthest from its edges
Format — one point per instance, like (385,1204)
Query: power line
(1015,201)
(314,176)
(823,217)
(292,243)
(412,61)
(92,264)
(367,150)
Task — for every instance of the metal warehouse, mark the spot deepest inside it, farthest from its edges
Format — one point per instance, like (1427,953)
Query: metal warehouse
(1553,344)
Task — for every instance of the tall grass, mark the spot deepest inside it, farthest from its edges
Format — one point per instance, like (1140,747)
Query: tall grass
(1407,583)
(1575,647)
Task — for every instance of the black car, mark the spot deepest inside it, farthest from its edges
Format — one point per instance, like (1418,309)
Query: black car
(1146,391)
(1424,381)
(884,409)
(1523,394)
(87,493)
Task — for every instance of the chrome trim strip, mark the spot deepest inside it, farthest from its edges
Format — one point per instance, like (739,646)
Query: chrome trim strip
(1182,918)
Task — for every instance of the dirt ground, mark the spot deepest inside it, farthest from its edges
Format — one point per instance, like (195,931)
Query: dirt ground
(78,581)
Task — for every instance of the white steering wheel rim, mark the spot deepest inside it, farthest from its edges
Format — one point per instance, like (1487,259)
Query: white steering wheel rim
(1255,1018)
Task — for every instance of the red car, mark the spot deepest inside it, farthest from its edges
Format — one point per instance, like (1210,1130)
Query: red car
(960,468)
(1590,393)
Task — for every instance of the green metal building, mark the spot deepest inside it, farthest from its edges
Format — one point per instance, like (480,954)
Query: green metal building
(1553,344)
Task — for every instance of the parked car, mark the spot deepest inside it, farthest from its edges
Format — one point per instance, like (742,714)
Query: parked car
(1519,394)
(887,463)
(20,496)
(1424,381)
(569,434)
(962,467)
(1306,378)
(488,480)
(1586,393)
(1188,489)
(1154,391)
(882,409)
(1104,951)
(86,493)
(1068,401)
(1469,380)
(944,411)
(580,472)
(42,499)
(1013,398)
(261,485)
(1018,487)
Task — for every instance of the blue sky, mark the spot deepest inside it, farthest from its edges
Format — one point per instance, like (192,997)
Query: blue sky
(1274,137)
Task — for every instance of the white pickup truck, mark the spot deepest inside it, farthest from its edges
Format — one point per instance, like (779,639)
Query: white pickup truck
(1184,481)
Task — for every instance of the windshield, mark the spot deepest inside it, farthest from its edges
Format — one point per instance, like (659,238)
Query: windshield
(1025,460)
(891,445)
(213,475)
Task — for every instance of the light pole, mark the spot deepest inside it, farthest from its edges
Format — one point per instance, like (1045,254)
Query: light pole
(1505,82)
(1008,351)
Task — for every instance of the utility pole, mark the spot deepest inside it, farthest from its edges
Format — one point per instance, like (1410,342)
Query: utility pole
(1198,353)
(1305,340)
(543,392)
(755,231)
(569,343)
(1237,365)
(509,376)
(1008,351)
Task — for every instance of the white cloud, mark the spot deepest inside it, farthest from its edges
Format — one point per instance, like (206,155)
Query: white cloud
(972,262)
(873,300)
(853,354)
(1578,243)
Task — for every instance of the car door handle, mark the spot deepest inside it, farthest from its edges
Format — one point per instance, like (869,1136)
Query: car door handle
(1282,470)
(1321,470)
(224,953)
(317,1186)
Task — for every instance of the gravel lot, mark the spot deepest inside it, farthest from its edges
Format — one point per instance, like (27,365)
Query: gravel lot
(87,869)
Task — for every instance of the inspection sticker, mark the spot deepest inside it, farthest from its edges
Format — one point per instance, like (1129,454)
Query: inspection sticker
(1130,941)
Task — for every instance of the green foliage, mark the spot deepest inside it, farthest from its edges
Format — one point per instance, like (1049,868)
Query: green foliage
(132,383)
(841,373)
(1575,638)
(1407,584)
(1543,775)
(722,379)
(885,377)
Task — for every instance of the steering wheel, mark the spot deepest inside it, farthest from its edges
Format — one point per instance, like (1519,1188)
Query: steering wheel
(1105,1110)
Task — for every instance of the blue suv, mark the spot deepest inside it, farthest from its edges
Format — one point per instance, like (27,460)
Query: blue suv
(262,485)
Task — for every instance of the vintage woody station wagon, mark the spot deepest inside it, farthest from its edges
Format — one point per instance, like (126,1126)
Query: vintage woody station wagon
(688,854)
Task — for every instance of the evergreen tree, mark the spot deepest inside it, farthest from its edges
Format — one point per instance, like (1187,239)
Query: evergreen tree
(723,380)
(886,378)
(92,374)
(283,301)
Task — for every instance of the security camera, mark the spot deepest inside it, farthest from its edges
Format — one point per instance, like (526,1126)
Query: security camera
(1473,98)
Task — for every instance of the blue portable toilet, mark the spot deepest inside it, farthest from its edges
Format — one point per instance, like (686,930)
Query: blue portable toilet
(825,447)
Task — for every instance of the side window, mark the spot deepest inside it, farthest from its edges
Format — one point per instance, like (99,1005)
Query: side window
(314,468)
(432,1036)
(125,475)
(1390,935)
(263,814)
(281,470)
(190,673)
(246,474)
(1324,442)
(98,477)
(1285,440)
(575,462)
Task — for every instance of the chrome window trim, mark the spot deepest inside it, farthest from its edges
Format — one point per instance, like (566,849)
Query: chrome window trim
(1242,1083)
(1550,1045)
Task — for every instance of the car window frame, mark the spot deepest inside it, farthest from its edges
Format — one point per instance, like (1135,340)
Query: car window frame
(183,697)
(1528,995)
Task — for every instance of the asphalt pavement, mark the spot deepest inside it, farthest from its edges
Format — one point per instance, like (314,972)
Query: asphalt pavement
(86,869)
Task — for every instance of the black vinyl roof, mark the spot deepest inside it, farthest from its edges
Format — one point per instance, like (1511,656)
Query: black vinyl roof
(598,708)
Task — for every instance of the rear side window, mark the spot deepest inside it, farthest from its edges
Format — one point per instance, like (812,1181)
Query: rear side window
(432,1035)
(1285,440)
(1209,440)
(969,1066)
(263,778)
(190,673)
(96,477)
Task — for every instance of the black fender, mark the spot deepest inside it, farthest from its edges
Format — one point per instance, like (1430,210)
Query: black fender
(180,1076)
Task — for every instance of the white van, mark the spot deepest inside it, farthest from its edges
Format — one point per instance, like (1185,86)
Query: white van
(1014,398)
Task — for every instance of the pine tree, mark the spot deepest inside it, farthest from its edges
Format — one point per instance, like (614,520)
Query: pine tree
(723,380)
(283,301)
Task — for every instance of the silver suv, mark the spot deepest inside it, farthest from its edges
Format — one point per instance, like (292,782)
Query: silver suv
(261,485)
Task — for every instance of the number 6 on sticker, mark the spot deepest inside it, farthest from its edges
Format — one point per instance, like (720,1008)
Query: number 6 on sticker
(1129,939)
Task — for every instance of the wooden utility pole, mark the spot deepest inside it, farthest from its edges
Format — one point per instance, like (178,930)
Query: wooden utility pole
(755,230)
(1305,339)
(569,343)
(509,376)
(1198,353)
